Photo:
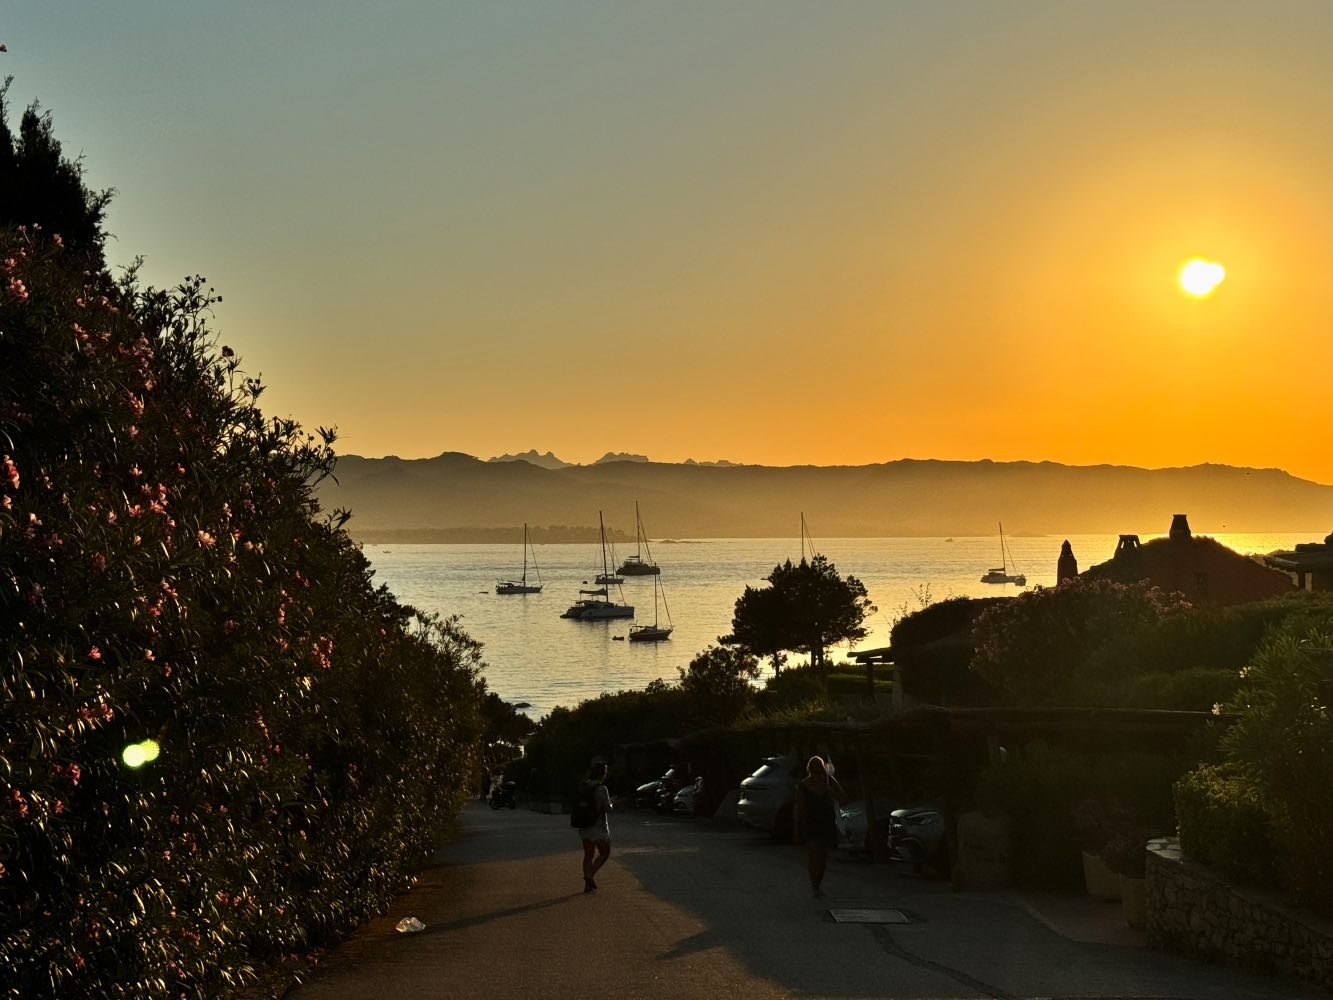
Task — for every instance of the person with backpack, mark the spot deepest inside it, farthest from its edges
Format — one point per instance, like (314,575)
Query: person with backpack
(589,817)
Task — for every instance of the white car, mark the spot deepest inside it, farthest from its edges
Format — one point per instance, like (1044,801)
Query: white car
(768,796)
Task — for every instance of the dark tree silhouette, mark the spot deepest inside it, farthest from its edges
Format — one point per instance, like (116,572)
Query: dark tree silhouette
(718,683)
(806,608)
(40,185)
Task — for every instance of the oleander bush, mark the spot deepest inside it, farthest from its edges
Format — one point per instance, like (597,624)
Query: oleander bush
(1035,649)
(1222,823)
(166,575)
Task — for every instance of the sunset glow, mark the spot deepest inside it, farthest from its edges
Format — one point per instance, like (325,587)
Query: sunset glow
(826,235)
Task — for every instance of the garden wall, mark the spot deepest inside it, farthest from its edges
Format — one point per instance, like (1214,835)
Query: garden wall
(1194,911)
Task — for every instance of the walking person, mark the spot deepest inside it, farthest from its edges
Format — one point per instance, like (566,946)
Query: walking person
(589,815)
(817,797)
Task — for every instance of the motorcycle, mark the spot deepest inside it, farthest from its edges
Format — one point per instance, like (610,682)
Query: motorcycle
(504,794)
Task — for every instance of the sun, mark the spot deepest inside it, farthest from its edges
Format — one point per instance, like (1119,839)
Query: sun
(1199,277)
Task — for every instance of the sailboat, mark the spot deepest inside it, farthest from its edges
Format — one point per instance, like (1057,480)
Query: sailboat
(654,632)
(522,586)
(1001,574)
(598,606)
(634,565)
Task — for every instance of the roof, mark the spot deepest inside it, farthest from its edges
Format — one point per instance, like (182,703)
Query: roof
(1201,568)
(1306,557)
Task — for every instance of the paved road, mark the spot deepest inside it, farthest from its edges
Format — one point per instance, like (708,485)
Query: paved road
(686,910)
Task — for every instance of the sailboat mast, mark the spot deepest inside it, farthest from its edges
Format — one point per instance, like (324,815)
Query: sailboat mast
(525,553)
(638,534)
(605,572)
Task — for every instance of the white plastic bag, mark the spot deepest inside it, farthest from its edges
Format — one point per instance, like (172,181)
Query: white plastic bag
(409,925)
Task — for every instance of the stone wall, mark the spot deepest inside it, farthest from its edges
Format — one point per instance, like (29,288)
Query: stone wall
(1192,910)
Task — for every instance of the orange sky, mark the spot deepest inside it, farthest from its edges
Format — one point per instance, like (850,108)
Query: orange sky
(771,232)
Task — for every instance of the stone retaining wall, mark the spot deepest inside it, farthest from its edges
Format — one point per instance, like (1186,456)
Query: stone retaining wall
(1192,910)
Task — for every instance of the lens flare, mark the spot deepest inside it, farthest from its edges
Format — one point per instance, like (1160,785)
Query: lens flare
(138,754)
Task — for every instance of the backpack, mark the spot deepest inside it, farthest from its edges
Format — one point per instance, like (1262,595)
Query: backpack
(584,812)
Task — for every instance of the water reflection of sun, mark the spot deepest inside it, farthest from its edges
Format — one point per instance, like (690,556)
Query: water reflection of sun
(1199,277)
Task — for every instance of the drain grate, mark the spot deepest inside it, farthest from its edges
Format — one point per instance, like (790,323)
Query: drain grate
(869,917)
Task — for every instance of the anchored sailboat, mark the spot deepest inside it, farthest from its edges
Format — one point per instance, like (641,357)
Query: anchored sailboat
(655,632)
(597,605)
(522,586)
(634,565)
(1001,574)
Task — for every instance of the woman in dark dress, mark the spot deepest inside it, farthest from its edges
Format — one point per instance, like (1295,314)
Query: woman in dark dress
(817,798)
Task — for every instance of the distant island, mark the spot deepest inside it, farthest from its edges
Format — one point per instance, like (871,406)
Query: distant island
(455,497)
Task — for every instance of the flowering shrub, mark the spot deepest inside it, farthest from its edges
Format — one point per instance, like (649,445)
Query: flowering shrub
(1033,648)
(166,575)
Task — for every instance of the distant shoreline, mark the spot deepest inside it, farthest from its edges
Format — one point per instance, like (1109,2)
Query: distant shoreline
(578,536)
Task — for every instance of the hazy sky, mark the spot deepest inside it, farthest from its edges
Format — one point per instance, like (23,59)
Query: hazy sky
(830,233)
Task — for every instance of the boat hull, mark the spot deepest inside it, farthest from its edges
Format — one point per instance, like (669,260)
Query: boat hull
(649,633)
(593,611)
(631,568)
(517,588)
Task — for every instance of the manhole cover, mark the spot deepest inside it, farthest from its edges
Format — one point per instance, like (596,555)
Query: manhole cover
(868,916)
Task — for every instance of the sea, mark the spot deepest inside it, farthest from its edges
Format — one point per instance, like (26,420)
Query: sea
(538,660)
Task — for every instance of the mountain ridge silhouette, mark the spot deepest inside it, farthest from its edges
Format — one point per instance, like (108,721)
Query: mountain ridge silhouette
(453,493)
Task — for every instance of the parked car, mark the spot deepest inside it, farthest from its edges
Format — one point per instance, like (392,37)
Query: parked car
(669,784)
(768,796)
(920,835)
(646,795)
(854,825)
(687,798)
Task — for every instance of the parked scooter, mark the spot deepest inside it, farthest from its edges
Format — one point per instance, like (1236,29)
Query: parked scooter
(504,794)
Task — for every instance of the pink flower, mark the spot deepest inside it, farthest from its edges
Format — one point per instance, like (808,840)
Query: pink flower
(98,561)
(57,239)
(206,540)
(10,472)
(94,654)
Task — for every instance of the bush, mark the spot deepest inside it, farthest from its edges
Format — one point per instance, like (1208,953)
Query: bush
(1060,801)
(166,575)
(1126,853)
(1282,741)
(1223,823)
(1037,788)
(1035,647)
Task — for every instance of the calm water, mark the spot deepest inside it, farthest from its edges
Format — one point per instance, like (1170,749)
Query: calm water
(534,655)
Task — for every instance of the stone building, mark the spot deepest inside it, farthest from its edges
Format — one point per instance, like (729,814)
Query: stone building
(1201,568)
(1310,564)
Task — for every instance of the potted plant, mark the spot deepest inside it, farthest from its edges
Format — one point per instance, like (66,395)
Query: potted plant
(1127,856)
(1093,819)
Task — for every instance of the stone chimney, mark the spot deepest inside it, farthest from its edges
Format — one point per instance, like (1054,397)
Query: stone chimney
(1066,568)
(1127,546)
(1180,527)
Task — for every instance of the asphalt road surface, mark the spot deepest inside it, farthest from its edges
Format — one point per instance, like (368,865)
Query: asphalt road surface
(687,910)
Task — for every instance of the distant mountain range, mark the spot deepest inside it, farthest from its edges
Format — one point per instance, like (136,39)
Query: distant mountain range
(550,461)
(455,497)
